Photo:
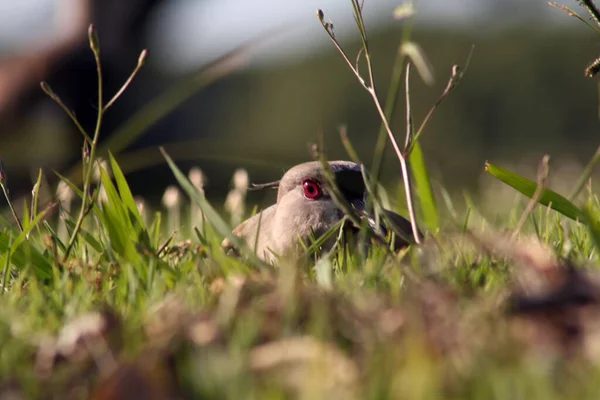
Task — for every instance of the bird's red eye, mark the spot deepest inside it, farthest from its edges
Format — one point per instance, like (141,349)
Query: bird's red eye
(311,189)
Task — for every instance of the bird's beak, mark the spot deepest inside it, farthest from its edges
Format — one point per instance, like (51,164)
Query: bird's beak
(260,186)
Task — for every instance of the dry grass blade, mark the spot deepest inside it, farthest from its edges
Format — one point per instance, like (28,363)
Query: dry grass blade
(542,179)
(370,88)
(585,176)
(164,104)
(572,13)
(46,88)
(417,55)
(456,76)
(4,185)
(140,64)
(592,9)
(592,69)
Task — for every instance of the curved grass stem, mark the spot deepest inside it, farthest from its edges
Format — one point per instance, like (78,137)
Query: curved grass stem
(370,88)
(88,166)
(88,169)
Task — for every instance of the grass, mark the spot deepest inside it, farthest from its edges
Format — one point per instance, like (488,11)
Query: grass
(107,301)
(471,316)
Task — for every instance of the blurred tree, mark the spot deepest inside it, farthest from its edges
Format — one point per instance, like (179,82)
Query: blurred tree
(67,64)
(524,95)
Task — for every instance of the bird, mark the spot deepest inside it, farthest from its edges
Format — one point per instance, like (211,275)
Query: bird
(305,206)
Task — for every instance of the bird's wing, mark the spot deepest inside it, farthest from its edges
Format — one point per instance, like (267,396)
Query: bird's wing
(400,225)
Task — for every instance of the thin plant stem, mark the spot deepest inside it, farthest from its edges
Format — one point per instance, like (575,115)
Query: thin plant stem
(166,102)
(409,119)
(455,78)
(405,174)
(4,184)
(403,167)
(348,145)
(10,205)
(592,9)
(587,172)
(573,14)
(35,194)
(88,170)
(46,88)
(7,265)
(542,179)
(370,88)
(140,64)
(390,106)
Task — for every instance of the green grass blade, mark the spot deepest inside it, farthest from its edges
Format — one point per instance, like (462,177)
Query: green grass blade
(26,256)
(211,215)
(390,104)
(128,202)
(528,188)
(52,232)
(23,253)
(593,224)
(423,188)
(87,236)
(25,234)
(124,191)
(36,195)
(166,102)
(586,174)
(155,230)
(70,184)
(117,222)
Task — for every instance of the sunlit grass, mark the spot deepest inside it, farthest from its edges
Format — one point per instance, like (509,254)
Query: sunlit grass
(106,299)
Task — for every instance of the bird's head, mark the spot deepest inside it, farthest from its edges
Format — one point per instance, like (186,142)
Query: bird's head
(305,204)
(304,200)
(308,182)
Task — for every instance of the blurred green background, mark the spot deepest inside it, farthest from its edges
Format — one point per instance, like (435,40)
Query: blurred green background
(524,95)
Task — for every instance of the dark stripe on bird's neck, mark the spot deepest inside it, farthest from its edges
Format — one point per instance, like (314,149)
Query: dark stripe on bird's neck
(351,184)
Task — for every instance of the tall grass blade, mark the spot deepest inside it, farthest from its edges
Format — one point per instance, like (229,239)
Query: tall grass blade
(211,215)
(593,224)
(172,98)
(128,202)
(585,175)
(528,187)
(116,219)
(423,188)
